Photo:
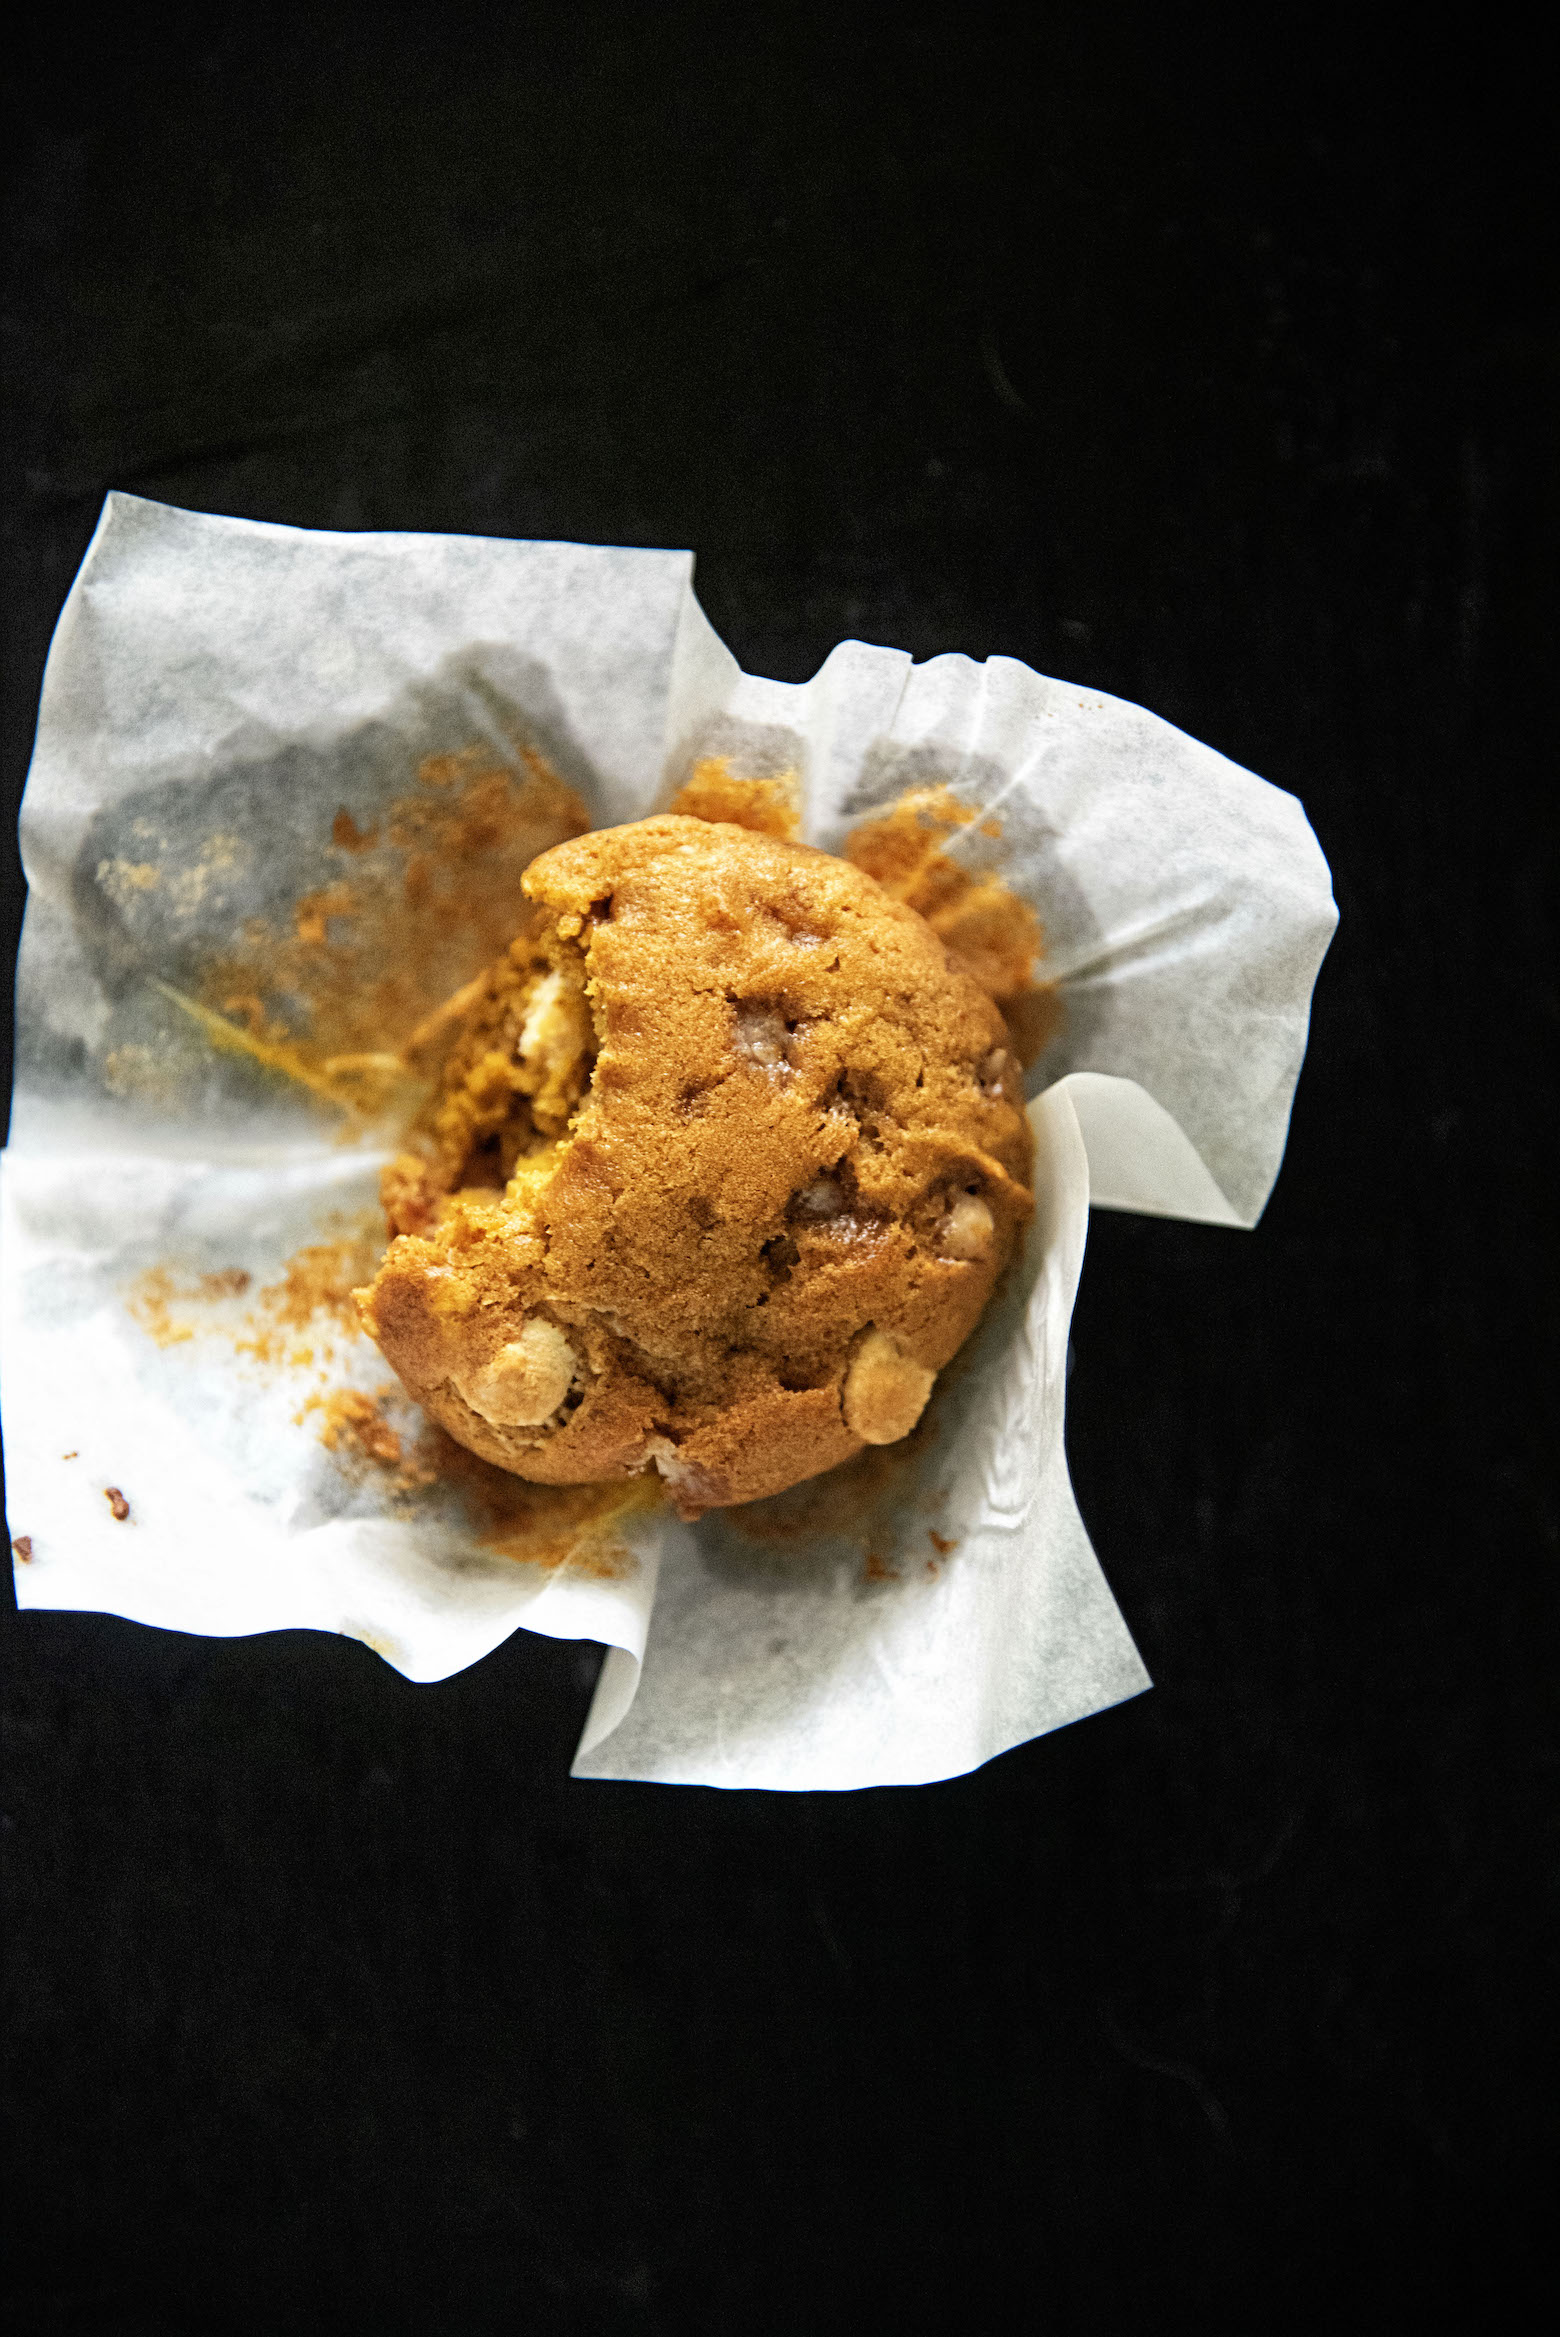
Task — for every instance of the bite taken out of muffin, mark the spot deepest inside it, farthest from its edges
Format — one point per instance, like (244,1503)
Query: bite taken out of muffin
(725,1161)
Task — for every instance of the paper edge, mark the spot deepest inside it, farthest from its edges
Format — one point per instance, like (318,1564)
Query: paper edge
(1111,1110)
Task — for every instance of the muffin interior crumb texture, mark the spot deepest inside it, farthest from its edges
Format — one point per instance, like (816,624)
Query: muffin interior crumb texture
(725,1159)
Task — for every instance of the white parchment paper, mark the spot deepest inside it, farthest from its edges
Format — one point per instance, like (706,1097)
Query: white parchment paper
(217,687)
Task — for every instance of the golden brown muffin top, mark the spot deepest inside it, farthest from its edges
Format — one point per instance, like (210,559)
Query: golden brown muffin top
(772,1215)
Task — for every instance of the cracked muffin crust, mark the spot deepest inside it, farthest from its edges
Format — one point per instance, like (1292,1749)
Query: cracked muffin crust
(725,1162)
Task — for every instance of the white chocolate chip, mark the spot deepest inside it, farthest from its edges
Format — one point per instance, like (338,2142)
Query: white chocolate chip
(885,1392)
(525,1382)
(556,1030)
(967,1229)
(760,1034)
(822,1198)
(554,1039)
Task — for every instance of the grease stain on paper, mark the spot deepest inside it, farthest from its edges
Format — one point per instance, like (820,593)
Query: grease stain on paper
(575,1526)
(876,1507)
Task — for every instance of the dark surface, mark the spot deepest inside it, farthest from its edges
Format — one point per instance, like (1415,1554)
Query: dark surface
(1215,375)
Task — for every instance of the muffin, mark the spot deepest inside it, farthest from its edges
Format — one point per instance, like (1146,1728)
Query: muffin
(725,1160)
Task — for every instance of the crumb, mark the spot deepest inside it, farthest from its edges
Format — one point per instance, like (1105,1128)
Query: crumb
(347,836)
(153,1296)
(116,1502)
(150,1300)
(314,912)
(354,1424)
(353,1418)
(228,1282)
(23,1548)
(317,1282)
(988,931)
(770,807)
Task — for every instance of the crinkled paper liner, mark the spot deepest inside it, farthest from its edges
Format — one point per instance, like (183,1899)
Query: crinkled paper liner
(215,690)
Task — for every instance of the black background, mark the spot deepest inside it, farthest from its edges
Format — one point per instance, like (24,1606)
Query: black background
(1207,363)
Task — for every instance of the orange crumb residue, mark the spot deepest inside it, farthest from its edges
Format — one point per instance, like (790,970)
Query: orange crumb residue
(991,934)
(227,1282)
(312,916)
(941,1543)
(153,1296)
(347,836)
(331,997)
(314,1294)
(772,807)
(878,1569)
(355,1418)
(150,1300)
(116,1502)
(354,1425)
(23,1548)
